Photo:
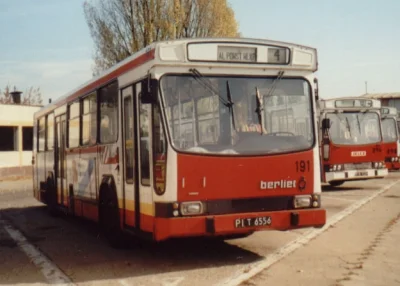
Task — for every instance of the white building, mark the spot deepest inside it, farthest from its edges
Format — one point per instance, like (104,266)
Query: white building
(391,99)
(16,140)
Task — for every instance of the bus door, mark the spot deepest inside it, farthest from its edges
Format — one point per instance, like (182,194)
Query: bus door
(60,160)
(130,184)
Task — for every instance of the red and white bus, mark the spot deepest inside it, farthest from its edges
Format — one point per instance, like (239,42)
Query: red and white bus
(351,140)
(174,142)
(390,136)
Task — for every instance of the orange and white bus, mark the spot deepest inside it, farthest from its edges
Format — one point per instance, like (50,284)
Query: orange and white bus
(390,137)
(174,142)
(350,140)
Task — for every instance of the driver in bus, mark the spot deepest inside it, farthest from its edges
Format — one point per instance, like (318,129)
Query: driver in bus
(243,118)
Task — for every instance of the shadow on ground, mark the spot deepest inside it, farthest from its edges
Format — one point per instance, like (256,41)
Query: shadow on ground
(79,249)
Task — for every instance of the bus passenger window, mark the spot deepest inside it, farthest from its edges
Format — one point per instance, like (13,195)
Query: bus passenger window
(73,125)
(159,153)
(50,132)
(89,120)
(41,134)
(144,129)
(108,98)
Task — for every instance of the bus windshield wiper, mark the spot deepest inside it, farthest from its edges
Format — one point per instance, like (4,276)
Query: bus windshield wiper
(358,124)
(274,83)
(348,125)
(207,84)
(259,110)
(230,104)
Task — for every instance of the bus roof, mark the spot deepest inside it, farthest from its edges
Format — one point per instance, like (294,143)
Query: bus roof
(349,103)
(230,51)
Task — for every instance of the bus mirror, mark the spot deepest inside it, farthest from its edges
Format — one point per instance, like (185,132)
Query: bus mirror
(326,123)
(149,91)
(316,89)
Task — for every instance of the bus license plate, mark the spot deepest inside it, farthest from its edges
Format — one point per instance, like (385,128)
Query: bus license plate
(362,173)
(253,221)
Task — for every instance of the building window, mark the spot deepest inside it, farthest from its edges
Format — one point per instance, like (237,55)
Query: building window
(108,100)
(89,120)
(27,138)
(73,125)
(9,138)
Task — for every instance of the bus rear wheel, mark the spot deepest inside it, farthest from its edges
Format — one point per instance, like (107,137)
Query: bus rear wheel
(51,197)
(109,218)
(336,183)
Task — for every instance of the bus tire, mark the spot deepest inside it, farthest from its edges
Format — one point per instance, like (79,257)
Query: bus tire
(51,197)
(336,183)
(109,217)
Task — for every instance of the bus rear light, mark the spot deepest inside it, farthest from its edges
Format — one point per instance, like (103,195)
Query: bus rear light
(191,208)
(326,152)
(303,201)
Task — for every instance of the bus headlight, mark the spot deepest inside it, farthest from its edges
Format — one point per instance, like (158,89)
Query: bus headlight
(302,201)
(191,208)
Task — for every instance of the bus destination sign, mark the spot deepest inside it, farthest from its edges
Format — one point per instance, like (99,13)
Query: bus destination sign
(353,103)
(237,54)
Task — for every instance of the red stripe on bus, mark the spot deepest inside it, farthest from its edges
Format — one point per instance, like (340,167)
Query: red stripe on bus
(114,74)
(150,55)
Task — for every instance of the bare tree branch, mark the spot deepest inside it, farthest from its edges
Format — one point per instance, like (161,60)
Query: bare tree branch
(119,28)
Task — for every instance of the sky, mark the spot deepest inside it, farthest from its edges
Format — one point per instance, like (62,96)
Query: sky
(47,43)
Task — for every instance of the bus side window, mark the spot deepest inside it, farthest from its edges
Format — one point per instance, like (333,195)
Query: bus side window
(108,98)
(144,131)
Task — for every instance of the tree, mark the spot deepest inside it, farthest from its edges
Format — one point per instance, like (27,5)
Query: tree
(119,28)
(32,96)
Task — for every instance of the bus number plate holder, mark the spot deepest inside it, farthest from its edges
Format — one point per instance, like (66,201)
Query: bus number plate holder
(253,222)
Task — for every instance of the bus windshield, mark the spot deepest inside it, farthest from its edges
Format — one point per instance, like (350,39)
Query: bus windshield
(354,128)
(389,130)
(224,115)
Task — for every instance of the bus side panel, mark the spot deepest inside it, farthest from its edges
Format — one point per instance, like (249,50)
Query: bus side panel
(49,165)
(86,175)
(41,173)
(72,157)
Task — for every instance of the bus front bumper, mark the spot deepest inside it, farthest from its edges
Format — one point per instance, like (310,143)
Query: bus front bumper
(393,165)
(219,225)
(355,175)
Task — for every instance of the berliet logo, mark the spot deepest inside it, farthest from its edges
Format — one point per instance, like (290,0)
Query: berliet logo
(281,184)
(358,153)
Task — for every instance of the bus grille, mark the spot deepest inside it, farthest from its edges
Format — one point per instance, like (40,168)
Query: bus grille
(358,166)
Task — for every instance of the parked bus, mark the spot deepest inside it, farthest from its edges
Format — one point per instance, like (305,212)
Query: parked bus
(174,142)
(390,137)
(350,140)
